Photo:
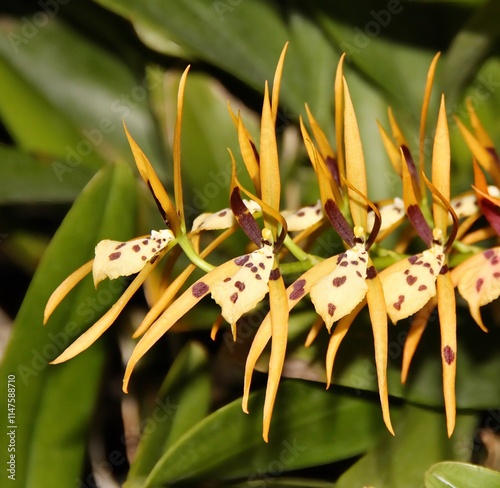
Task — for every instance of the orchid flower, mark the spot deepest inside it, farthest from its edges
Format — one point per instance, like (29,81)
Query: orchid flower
(239,284)
(340,285)
(141,255)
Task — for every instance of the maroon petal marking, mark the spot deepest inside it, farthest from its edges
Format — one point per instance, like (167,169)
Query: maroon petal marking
(199,289)
(371,272)
(398,304)
(114,255)
(298,290)
(241,260)
(240,285)
(275,274)
(448,354)
(120,246)
(331,309)
(234,297)
(479,284)
(411,279)
(136,248)
(339,281)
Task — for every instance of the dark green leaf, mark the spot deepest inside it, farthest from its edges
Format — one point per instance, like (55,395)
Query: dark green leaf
(311,426)
(54,404)
(182,402)
(461,475)
(420,441)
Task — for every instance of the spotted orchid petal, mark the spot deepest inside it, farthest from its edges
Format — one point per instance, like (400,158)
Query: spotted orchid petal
(234,285)
(478,281)
(114,258)
(304,217)
(223,219)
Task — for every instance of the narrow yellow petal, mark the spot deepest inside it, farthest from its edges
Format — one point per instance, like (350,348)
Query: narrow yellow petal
(151,179)
(248,153)
(279,323)
(105,322)
(339,114)
(216,326)
(277,83)
(448,328)
(417,328)
(179,202)
(336,338)
(295,292)
(176,285)
(378,318)
(327,186)
(313,333)
(391,149)
(397,133)
(480,153)
(64,288)
(355,162)
(441,168)
(177,310)
(324,146)
(425,108)
(269,167)
(481,134)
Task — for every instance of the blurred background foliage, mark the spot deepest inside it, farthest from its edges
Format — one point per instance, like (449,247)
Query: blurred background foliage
(70,73)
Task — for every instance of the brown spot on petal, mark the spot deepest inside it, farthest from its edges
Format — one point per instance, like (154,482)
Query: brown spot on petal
(254,269)
(136,248)
(241,260)
(227,279)
(371,272)
(221,214)
(301,213)
(275,274)
(258,276)
(411,279)
(298,290)
(331,309)
(154,249)
(479,284)
(444,269)
(145,242)
(120,245)
(413,259)
(398,304)
(199,289)
(114,255)
(262,266)
(234,297)
(339,281)
(448,354)
(496,274)
(489,253)
(240,285)
(422,288)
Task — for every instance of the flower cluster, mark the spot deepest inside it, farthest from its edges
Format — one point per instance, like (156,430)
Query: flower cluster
(339,286)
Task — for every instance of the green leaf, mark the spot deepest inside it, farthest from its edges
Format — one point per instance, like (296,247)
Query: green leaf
(74,94)
(182,402)
(461,475)
(55,404)
(287,483)
(311,426)
(28,179)
(420,441)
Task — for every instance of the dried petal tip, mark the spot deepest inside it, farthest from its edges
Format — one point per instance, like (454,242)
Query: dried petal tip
(114,259)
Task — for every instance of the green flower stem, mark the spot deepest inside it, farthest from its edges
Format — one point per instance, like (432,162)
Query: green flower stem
(193,256)
(296,250)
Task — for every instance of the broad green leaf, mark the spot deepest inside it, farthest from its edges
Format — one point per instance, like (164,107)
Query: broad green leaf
(66,96)
(28,179)
(469,49)
(461,475)
(420,441)
(55,404)
(311,426)
(287,483)
(182,402)
(243,39)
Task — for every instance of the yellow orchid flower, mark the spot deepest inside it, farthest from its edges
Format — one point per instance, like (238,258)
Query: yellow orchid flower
(340,285)
(140,255)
